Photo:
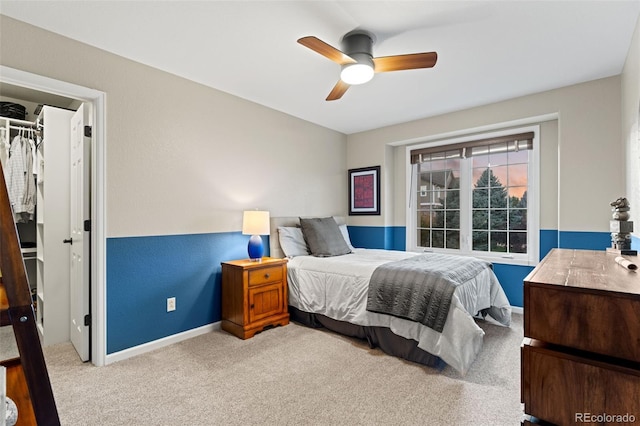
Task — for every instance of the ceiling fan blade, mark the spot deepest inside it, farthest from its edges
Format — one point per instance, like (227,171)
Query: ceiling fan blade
(337,91)
(405,62)
(326,50)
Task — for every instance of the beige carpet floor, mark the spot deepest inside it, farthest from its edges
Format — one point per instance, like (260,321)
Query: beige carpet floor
(289,375)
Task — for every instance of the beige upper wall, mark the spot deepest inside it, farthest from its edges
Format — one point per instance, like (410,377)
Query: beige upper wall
(184,158)
(631,126)
(584,158)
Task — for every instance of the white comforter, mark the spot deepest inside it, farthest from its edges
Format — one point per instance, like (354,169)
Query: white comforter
(337,288)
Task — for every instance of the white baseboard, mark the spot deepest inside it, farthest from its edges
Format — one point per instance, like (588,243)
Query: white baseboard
(517,310)
(160,343)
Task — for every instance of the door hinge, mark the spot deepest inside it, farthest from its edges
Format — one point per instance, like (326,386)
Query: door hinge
(87,131)
(87,320)
(87,225)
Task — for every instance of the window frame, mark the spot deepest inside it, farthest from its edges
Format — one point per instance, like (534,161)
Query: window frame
(466,187)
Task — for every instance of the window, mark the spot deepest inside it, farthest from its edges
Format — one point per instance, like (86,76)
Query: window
(476,196)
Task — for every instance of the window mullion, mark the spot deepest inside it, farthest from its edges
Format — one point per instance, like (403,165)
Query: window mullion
(466,188)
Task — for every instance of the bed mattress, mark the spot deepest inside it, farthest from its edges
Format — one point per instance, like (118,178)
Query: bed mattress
(337,287)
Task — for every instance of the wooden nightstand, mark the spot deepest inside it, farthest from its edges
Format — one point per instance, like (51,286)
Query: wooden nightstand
(254,296)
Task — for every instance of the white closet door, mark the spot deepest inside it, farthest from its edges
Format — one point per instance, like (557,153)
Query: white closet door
(79,209)
(53,228)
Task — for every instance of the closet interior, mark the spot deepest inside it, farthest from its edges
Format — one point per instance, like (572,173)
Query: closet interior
(35,155)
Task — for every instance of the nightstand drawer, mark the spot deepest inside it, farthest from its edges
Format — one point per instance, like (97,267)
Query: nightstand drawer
(265,275)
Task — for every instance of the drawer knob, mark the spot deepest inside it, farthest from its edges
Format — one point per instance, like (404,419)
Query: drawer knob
(252,305)
(266,276)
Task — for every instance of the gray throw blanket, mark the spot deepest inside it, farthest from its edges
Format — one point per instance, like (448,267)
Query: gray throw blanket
(420,288)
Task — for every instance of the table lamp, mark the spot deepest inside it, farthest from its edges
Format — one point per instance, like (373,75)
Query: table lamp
(255,223)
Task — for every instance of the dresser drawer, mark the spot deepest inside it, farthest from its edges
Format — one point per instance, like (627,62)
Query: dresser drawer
(563,388)
(265,275)
(600,322)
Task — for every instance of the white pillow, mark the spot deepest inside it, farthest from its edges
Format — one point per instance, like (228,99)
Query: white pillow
(292,241)
(345,234)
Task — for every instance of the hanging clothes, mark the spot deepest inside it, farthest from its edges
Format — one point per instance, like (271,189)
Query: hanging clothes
(21,184)
(39,162)
(32,170)
(4,150)
(32,146)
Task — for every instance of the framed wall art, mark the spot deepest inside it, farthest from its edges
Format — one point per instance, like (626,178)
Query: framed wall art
(364,191)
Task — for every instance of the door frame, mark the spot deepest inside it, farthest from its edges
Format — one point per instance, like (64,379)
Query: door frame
(98,100)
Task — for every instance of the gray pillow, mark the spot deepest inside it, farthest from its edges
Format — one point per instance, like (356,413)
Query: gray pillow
(323,237)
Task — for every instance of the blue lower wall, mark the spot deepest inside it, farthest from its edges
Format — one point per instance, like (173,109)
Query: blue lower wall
(585,240)
(142,272)
(378,237)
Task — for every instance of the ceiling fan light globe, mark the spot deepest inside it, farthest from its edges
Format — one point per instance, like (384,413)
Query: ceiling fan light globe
(354,74)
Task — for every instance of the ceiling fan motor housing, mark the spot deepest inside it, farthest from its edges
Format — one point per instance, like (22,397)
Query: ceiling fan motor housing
(358,45)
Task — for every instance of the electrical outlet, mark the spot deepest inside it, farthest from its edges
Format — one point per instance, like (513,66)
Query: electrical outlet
(171,304)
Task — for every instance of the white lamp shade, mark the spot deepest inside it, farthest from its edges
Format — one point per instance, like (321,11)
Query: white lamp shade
(255,222)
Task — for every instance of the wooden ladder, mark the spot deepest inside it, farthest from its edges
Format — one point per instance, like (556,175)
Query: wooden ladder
(28,382)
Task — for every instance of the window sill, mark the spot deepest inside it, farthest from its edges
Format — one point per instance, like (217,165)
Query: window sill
(515,260)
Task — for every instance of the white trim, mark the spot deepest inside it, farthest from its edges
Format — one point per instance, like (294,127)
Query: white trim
(98,231)
(517,310)
(98,192)
(161,343)
(479,129)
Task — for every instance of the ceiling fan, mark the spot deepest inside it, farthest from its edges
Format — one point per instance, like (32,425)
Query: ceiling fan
(358,63)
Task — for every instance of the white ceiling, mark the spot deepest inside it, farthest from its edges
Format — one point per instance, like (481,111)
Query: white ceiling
(487,50)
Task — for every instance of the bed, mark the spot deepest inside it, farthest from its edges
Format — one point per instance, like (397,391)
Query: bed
(333,291)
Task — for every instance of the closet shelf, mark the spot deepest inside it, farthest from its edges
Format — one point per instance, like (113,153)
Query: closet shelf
(18,121)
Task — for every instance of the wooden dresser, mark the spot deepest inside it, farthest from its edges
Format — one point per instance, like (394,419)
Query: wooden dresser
(254,295)
(581,348)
